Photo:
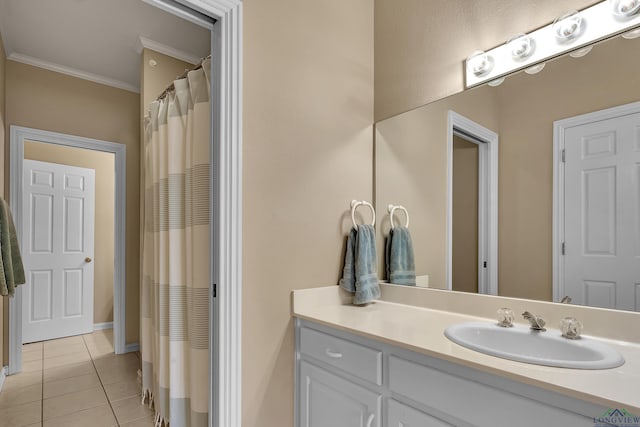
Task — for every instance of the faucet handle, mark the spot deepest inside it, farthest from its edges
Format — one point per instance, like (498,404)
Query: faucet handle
(505,317)
(537,322)
(570,328)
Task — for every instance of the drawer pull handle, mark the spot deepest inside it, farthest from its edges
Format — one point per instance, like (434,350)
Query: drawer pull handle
(370,420)
(333,354)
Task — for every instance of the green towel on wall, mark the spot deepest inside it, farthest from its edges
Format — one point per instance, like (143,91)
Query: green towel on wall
(11,269)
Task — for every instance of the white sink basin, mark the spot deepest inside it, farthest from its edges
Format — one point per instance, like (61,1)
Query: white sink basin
(521,344)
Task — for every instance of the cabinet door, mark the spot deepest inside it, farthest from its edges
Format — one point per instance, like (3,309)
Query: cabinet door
(327,400)
(404,416)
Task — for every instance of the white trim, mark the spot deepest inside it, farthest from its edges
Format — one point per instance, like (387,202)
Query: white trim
(145,43)
(130,348)
(559,129)
(73,72)
(18,136)
(488,195)
(3,376)
(102,326)
(225,310)
(187,13)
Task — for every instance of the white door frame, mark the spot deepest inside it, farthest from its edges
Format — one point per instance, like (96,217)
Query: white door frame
(225,306)
(487,201)
(18,136)
(559,129)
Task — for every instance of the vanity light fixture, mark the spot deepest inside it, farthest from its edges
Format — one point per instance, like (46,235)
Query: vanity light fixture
(624,8)
(496,82)
(571,33)
(479,63)
(568,27)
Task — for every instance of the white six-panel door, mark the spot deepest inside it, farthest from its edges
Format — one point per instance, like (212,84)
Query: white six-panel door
(602,213)
(58,244)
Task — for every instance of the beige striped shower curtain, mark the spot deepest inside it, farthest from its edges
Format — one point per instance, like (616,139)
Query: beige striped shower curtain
(175,254)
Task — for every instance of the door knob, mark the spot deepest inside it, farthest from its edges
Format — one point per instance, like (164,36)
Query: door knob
(87,259)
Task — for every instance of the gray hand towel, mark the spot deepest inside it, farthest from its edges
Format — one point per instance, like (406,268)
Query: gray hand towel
(11,268)
(360,275)
(401,269)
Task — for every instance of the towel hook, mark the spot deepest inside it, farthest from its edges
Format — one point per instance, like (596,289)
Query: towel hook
(392,208)
(354,206)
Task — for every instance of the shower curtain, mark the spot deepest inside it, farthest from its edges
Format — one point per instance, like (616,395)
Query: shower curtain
(175,254)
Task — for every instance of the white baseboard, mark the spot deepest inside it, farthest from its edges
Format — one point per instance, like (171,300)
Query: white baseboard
(3,375)
(129,348)
(101,326)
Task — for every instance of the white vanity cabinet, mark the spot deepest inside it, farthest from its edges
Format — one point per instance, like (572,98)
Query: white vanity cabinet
(345,380)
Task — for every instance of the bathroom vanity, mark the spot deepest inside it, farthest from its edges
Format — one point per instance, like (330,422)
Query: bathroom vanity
(389,364)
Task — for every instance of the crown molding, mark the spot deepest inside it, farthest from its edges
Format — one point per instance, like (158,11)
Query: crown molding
(51,66)
(145,43)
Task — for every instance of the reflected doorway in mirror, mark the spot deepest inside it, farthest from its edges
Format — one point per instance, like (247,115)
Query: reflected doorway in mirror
(463,132)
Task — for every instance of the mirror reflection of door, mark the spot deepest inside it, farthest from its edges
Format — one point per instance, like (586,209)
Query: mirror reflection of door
(465,214)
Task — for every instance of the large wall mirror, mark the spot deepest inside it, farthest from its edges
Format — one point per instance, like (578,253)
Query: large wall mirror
(594,102)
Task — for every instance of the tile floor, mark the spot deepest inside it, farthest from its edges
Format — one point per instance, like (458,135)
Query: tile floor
(75,382)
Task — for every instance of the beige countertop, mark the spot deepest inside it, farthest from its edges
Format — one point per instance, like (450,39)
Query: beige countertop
(421,329)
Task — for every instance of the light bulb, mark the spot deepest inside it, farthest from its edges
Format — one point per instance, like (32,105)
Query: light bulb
(581,52)
(480,63)
(496,82)
(633,34)
(568,26)
(624,8)
(521,46)
(535,69)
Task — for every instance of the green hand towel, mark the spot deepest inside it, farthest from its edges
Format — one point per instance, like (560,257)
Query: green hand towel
(11,268)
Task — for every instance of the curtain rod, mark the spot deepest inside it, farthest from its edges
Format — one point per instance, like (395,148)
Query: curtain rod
(181,76)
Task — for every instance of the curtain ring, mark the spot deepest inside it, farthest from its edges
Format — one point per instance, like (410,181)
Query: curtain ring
(355,204)
(392,208)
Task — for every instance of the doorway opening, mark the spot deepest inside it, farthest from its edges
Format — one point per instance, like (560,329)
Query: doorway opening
(472,206)
(22,141)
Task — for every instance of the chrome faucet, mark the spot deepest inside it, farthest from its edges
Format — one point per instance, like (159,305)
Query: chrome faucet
(537,323)
(566,300)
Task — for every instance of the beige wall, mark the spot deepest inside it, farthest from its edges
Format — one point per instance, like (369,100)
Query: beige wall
(42,99)
(154,80)
(103,164)
(308,113)
(3,60)
(411,170)
(421,45)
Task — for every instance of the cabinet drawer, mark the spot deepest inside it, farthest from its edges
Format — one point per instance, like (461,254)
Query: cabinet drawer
(356,359)
(404,416)
(483,405)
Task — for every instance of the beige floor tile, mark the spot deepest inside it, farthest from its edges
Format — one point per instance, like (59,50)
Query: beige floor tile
(123,390)
(68,359)
(68,371)
(65,350)
(28,348)
(130,409)
(31,366)
(70,385)
(22,415)
(142,422)
(116,361)
(73,402)
(99,416)
(31,355)
(77,339)
(37,425)
(19,396)
(22,379)
(117,375)
(99,350)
